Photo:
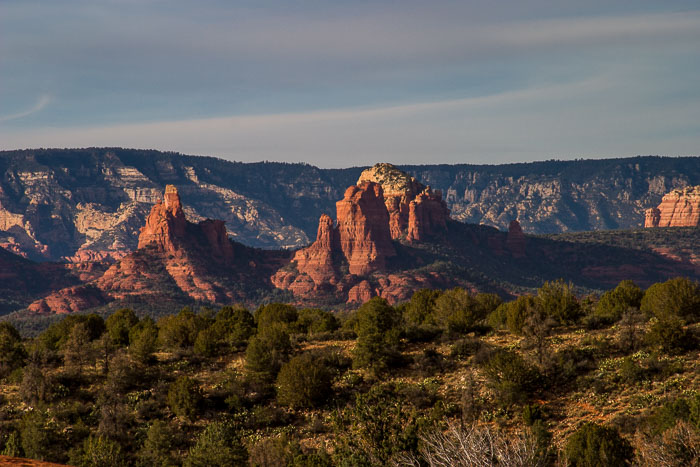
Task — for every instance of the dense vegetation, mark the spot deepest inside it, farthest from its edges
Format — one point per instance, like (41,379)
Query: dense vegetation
(448,378)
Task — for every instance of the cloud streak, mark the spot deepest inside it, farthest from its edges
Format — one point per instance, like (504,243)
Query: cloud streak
(41,103)
(531,123)
(329,82)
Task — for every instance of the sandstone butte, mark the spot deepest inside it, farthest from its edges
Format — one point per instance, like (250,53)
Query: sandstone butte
(348,260)
(679,208)
(386,204)
(187,251)
(415,210)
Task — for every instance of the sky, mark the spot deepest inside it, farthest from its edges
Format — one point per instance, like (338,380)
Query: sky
(344,83)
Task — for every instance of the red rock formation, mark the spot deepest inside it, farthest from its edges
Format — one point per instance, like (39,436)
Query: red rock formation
(430,213)
(679,208)
(175,256)
(166,223)
(169,231)
(652,216)
(8,461)
(427,216)
(361,238)
(361,293)
(317,260)
(363,228)
(69,300)
(515,241)
(368,219)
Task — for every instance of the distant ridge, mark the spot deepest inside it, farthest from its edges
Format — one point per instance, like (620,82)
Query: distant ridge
(88,204)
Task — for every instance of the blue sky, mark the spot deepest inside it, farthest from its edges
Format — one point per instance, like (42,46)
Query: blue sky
(340,83)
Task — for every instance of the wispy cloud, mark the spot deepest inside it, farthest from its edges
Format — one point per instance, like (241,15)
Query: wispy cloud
(41,103)
(561,120)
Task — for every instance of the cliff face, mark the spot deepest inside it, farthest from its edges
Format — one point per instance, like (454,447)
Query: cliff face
(363,228)
(89,204)
(415,210)
(361,241)
(79,205)
(181,262)
(176,260)
(679,208)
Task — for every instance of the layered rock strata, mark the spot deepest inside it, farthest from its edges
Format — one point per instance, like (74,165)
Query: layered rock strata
(679,208)
(415,210)
(363,228)
(360,242)
(175,257)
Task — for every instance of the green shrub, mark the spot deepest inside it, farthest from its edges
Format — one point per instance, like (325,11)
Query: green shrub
(378,328)
(682,408)
(184,397)
(596,445)
(631,372)
(314,321)
(156,449)
(179,332)
(614,303)
(57,334)
(304,381)
(457,311)
(466,347)
(234,326)
(39,437)
(419,311)
(119,324)
(669,334)
(676,297)
(487,303)
(13,446)
(518,311)
(280,450)
(375,428)
(217,446)
(274,314)
(511,378)
(12,353)
(497,318)
(143,340)
(557,301)
(206,343)
(532,413)
(98,451)
(267,350)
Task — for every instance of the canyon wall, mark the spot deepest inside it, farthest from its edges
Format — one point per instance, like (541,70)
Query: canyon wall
(679,208)
(89,204)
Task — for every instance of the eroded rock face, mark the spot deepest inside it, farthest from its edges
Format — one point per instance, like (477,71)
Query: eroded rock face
(363,228)
(175,256)
(360,242)
(317,260)
(679,208)
(368,219)
(166,224)
(68,205)
(69,300)
(652,217)
(415,210)
(427,216)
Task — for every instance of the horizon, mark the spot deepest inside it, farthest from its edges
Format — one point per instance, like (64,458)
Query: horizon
(329,82)
(369,164)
